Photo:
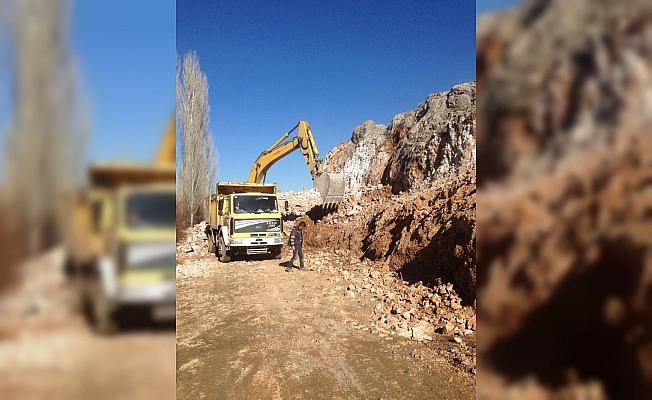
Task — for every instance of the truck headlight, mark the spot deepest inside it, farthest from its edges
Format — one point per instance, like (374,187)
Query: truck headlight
(278,240)
(236,241)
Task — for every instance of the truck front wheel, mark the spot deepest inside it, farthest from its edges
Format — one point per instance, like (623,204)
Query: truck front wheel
(223,252)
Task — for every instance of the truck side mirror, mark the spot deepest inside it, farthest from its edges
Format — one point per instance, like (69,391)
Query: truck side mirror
(287,206)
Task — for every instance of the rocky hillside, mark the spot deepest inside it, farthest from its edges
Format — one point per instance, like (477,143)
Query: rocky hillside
(417,148)
(426,236)
(410,206)
(564,225)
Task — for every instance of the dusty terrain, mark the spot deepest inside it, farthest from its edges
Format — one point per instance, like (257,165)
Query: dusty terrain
(387,309)
(49,351)
(250,329)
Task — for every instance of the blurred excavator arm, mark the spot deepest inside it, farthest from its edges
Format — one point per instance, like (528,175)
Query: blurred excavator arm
(167,150)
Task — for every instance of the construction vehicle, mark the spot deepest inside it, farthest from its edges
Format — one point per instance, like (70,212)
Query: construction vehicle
(121,250)
(244,218)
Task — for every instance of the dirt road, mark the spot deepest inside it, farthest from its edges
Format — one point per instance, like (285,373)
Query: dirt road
(48,351)
(251,330)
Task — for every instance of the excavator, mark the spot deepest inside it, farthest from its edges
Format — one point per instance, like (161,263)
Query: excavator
(330,186)
(244,218)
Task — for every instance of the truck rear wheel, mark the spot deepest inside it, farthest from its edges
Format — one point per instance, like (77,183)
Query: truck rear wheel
(211,243)
(223,252)
(103,314)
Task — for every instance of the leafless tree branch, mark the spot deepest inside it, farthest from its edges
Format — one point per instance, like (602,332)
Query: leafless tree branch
(198,160)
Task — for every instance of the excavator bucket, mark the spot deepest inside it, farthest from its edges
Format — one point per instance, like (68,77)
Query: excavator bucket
(331,187)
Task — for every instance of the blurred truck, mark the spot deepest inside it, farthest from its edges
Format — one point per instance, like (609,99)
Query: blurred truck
(120,247)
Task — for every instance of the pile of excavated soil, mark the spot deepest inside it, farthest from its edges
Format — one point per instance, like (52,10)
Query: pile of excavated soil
(426,236)
(567,272)
(301,201)
(412,311)
(194,240)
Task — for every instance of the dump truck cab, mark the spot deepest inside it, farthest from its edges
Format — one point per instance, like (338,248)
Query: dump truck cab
(121,248)
(245,219)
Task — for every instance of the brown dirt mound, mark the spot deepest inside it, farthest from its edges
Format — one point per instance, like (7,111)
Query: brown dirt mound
(567,273)
(427,236)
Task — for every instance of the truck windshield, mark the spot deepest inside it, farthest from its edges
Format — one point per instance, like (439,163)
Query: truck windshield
(254,204)
(151,210)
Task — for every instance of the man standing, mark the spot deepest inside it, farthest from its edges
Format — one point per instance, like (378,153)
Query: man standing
(296,242)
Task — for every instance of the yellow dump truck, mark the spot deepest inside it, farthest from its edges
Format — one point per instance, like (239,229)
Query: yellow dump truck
(244,219)
(120,248)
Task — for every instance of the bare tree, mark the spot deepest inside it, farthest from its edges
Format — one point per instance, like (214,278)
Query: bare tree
(197,161)
(45,142)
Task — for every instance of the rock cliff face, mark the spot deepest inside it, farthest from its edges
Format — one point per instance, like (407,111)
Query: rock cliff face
(361,158)
(411,193)
(416,149)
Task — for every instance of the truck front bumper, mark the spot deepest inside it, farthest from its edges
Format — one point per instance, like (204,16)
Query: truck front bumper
(261,241)
(253,246)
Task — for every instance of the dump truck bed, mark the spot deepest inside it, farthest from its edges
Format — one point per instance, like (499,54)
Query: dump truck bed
(239,187)
(112,175)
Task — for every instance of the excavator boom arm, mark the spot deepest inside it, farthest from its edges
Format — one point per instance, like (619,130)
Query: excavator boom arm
(268,158)
(331,186)
(304,141)
(166,155)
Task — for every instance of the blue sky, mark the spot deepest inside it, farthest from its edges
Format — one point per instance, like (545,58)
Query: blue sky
(126,52)
(335,64)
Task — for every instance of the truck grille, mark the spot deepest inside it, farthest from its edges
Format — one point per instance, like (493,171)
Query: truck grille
(257,225)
